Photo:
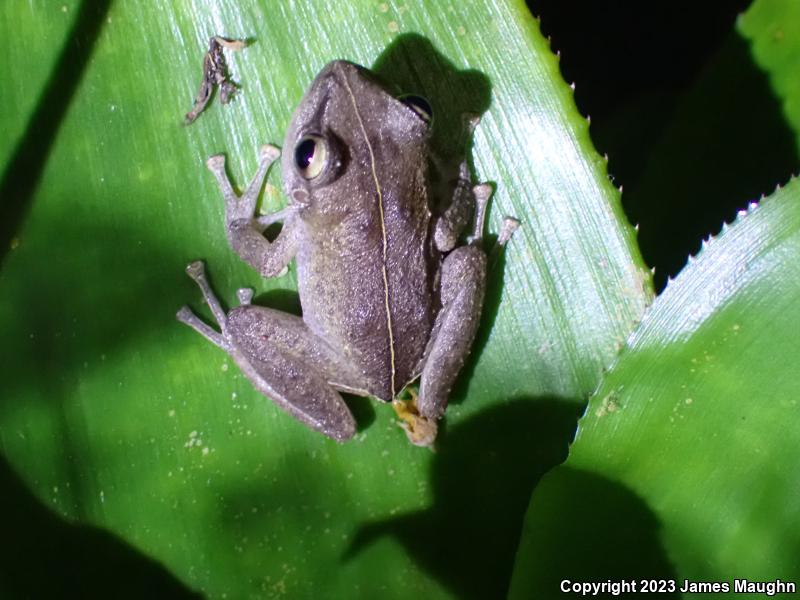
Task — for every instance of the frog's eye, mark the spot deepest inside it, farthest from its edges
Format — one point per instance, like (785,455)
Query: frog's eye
(420,106)
(311,156)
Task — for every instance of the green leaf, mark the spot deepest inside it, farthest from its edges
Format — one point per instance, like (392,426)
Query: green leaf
(684,466)
(39,34)
(140,443)
(773,29)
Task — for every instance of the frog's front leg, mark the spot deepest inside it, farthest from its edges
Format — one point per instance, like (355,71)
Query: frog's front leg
(283,359)
(246,232)
(463,278)
(454,220)
(463,200)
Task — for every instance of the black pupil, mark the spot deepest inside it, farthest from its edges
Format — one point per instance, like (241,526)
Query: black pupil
(420,106)
(304,153)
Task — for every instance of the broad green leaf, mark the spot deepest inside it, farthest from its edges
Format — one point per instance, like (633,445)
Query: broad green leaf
(773,29)
(685,463)
(40,32)
(146,440)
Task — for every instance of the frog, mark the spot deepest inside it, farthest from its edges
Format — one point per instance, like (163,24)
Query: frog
(391,289)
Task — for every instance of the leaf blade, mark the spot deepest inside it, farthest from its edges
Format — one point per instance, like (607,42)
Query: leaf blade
(693,428)
(144,430)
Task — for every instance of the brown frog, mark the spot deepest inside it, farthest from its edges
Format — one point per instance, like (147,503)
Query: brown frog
(387,294)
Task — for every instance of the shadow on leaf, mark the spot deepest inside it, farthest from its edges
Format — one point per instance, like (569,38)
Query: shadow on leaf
(413,65)
(482,480)
(585,528)
(43,556)
(23,170)
(80,300)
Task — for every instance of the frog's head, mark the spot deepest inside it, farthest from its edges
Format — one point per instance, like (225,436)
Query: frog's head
(350,138)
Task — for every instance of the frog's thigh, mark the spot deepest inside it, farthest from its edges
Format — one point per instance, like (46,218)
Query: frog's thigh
(288,363)
(462,288)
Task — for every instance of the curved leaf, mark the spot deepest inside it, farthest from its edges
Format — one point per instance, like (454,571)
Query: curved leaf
(118,417)
(685,463)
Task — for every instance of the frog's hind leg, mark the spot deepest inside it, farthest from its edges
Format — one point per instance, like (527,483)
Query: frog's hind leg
(462,287)
(463,279)
(282,358)
(300,372)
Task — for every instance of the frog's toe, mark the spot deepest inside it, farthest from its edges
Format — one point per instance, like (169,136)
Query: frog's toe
(420,430)
(268,153)
(216,163)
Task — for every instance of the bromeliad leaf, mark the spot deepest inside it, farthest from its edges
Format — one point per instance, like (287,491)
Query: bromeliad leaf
(684,466)
(114,415)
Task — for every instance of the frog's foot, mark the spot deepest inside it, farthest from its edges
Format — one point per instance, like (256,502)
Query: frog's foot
(197,272)
(238,208)
(420,430)
(483,192)
(507,229)
(244,230)
(245,296)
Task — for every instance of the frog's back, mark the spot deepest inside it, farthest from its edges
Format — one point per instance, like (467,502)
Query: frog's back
(365,263)
(367,287)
